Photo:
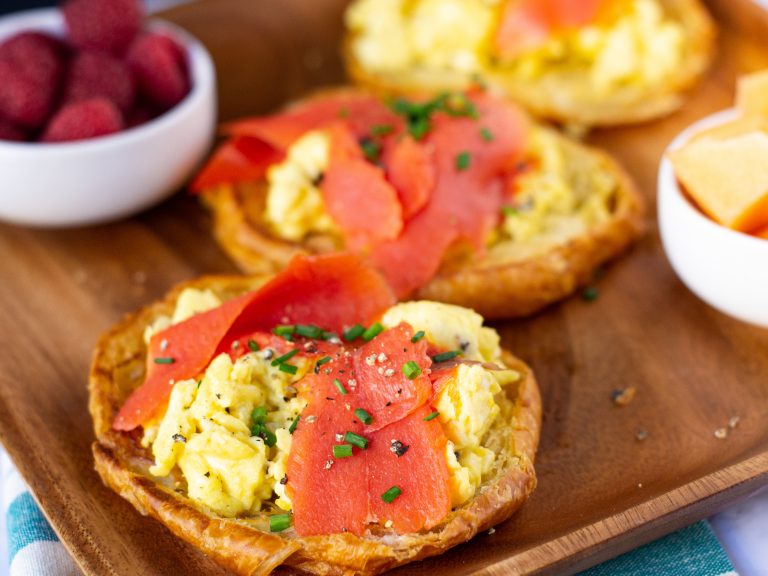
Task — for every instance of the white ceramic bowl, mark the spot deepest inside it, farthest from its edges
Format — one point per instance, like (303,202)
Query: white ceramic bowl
(726,269)
(103,179)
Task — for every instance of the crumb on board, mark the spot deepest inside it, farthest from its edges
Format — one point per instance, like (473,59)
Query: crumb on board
(641,434)
(623,397)
(491,531)
(721,433)
(733,422)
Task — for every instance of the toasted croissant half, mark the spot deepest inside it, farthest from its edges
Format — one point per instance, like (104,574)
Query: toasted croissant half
(577,81)
(542,253)
(241,544)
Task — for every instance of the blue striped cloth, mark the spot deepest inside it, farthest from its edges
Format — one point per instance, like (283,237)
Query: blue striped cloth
(35,550)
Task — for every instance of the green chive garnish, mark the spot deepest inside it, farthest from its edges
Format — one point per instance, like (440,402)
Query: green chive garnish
(462,161)
(411,370)
(323,360)
(363,416)
(164,360)
(268,436)
(328,335)
(373,331)
(589,294)
(342,450)
(259,415)
(391,494)
(371,149)
(382,129)
(509,211)
(288,368)
(253,345)
(486,134)
(431,416)
(279,522)
(285,357)
(292,427)
(284,330)
(445,356)
(308,331)
(339,386)
(418,336)
(354,332)
(356,440)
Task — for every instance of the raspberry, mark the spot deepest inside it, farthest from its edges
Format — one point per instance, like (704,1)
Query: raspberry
(96,74)
(106,25)
(81,120)
(159,68)
(31,70)
(11,132)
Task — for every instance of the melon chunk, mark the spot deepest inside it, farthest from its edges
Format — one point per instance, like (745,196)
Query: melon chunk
(728,178)
(752,95)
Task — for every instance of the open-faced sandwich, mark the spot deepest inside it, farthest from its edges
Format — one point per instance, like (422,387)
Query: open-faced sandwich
(310,422)
(583,62)
(458,198)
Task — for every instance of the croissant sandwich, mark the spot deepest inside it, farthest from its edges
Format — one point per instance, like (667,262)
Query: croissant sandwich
(307,420)
(457,198)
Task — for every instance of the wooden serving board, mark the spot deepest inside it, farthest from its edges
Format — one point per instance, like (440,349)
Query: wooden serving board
(601,490)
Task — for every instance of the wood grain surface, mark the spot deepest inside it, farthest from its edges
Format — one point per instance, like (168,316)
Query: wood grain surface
(601,490)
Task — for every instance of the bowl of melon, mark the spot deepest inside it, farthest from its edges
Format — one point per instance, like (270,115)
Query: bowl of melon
(713,205)
(102,112)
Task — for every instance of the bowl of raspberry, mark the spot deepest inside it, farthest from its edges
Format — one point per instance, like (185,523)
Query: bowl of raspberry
(102,113)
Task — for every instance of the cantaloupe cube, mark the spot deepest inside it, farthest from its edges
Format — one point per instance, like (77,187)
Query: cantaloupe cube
(727,178)
(752,94)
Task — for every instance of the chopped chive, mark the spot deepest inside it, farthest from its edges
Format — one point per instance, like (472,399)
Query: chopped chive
(462,161)
(356,440)
(328,335)
(323,360)
(371,149)
(445,356)
(253,345)
(259,415)
(486,134)
(165,360)
(342,450)
(292,427)
(382,129)
(285,357)
(373,331)
(418,336)
(391,494)
(509,211)
(339,386)
(284,330)
(589,294)
(308,331)
(279,522)
(411,370)
(268,436)
(354,332)
(363,416)
(431,416)
(288,368)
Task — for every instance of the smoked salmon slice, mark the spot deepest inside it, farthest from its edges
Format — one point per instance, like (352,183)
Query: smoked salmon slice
(331,291)
(404,450)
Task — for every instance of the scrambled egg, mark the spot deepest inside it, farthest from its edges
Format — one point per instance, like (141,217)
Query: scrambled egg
(206,429)
(294,206)
(563,195)
(637,45)
(466,402)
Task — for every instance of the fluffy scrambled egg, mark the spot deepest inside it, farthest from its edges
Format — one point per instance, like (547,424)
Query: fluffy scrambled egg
(638,44)
(467,400)
(294,206)
(206,429)
(560,196)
